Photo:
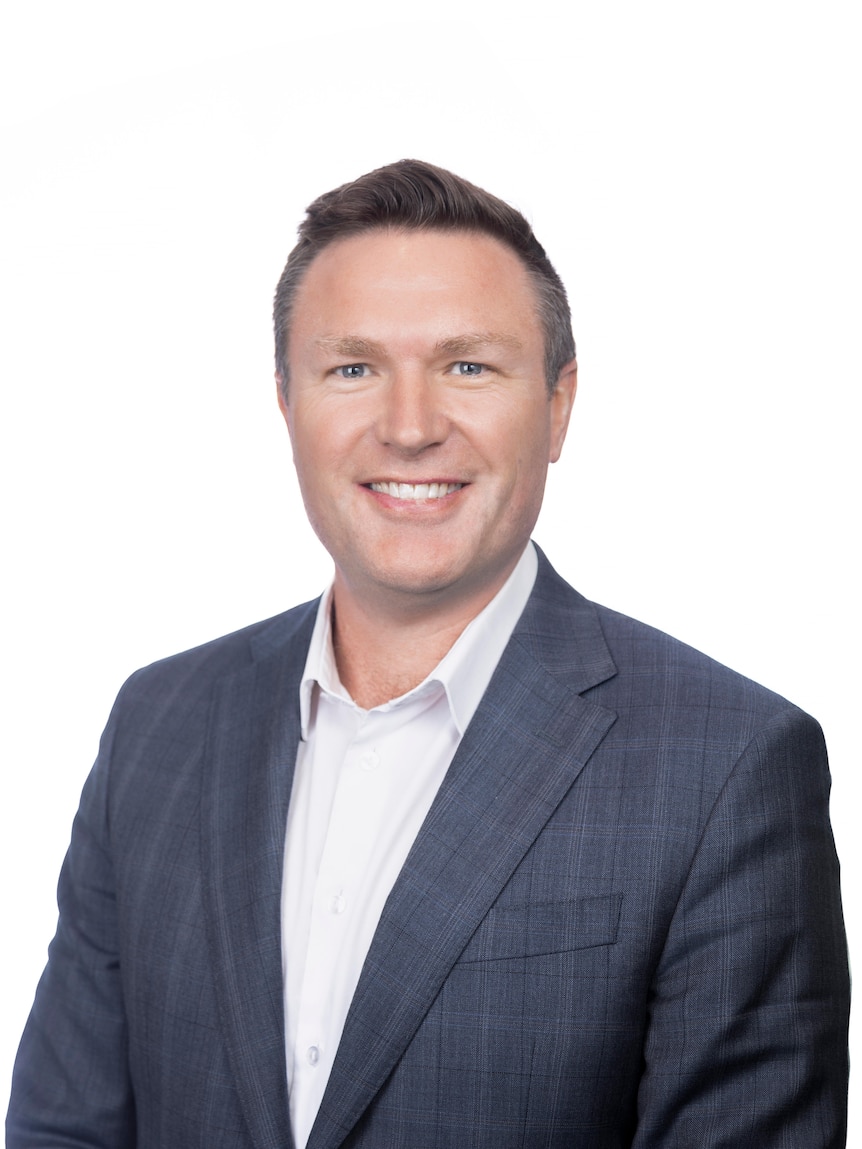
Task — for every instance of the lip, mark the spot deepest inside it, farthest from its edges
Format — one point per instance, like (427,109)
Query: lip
(424,501)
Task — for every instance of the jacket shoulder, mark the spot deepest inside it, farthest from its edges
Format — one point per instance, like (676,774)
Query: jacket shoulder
(191,673)
(624,661)
(642,651)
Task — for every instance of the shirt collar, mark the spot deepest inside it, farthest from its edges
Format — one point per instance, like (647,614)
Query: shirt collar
(464,672)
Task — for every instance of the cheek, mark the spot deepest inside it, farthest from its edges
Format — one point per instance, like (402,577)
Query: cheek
(315,441)
(531,445)
(333,428)
(532,453)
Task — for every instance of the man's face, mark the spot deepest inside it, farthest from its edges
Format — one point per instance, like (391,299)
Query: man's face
(419,413)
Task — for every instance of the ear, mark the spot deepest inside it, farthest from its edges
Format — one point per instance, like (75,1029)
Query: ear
(562,401)
(282,400)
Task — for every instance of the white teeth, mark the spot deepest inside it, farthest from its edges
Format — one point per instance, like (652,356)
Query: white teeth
(416,490)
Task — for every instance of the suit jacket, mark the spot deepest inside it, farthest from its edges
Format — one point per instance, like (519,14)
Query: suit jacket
(619,925)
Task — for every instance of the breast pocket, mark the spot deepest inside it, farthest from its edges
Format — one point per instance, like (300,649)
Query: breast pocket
(548,927)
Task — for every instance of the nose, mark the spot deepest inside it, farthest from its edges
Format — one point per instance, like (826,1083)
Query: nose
(411,417)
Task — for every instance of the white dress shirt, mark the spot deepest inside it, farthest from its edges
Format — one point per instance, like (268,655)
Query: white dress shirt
(363,784)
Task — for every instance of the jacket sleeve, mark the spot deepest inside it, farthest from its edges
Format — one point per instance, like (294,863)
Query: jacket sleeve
(71,1084)
(747,1038)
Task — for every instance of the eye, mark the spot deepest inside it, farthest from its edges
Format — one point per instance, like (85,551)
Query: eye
(467,369)
(352,371)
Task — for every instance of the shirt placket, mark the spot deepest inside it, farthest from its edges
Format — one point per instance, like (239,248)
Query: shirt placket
(355,821)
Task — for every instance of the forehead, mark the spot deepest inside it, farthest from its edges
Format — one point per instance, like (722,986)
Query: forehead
(443,279)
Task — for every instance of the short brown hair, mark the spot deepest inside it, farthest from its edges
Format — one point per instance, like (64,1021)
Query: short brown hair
(414,195)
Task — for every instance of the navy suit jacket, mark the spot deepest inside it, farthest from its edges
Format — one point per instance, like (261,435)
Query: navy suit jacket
(620,924)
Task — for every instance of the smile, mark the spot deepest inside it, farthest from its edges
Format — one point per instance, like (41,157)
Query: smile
(416,490)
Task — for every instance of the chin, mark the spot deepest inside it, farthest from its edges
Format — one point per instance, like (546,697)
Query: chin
(415,581)
(439,578)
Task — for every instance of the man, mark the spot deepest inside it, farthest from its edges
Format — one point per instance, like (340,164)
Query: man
(453,857)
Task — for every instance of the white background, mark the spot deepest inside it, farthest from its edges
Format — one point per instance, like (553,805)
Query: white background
(693,171)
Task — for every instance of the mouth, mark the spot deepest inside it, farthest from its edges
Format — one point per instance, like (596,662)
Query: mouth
(416,491)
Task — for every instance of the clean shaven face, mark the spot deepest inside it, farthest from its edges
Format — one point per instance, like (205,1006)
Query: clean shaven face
(419,413)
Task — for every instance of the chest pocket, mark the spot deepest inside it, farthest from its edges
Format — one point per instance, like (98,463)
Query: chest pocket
(545,928)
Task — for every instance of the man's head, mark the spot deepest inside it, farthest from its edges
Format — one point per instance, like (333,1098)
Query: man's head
(421,408)
(414,196)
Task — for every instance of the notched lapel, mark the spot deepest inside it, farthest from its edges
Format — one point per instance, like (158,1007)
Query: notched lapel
(254,732)
(529,740)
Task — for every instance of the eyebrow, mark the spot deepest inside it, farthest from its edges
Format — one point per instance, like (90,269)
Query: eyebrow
(350,346)
(355,347)
(475,340)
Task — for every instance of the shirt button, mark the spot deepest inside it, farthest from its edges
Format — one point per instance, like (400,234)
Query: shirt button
(312,1055)
(370,760)
(338,904)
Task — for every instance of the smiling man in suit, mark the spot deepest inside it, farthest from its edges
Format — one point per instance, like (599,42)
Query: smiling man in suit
(451,857)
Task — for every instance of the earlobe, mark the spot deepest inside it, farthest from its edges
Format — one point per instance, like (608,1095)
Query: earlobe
(562,402)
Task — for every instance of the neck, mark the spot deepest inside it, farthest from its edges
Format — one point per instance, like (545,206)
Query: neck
(383,653)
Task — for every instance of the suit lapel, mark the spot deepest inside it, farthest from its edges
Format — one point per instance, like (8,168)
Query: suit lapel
(528,741)
(254,732)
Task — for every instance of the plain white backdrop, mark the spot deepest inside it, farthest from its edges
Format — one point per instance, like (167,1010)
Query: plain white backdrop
(693,171)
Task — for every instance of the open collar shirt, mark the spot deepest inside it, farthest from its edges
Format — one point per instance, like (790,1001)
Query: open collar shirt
(363,784)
